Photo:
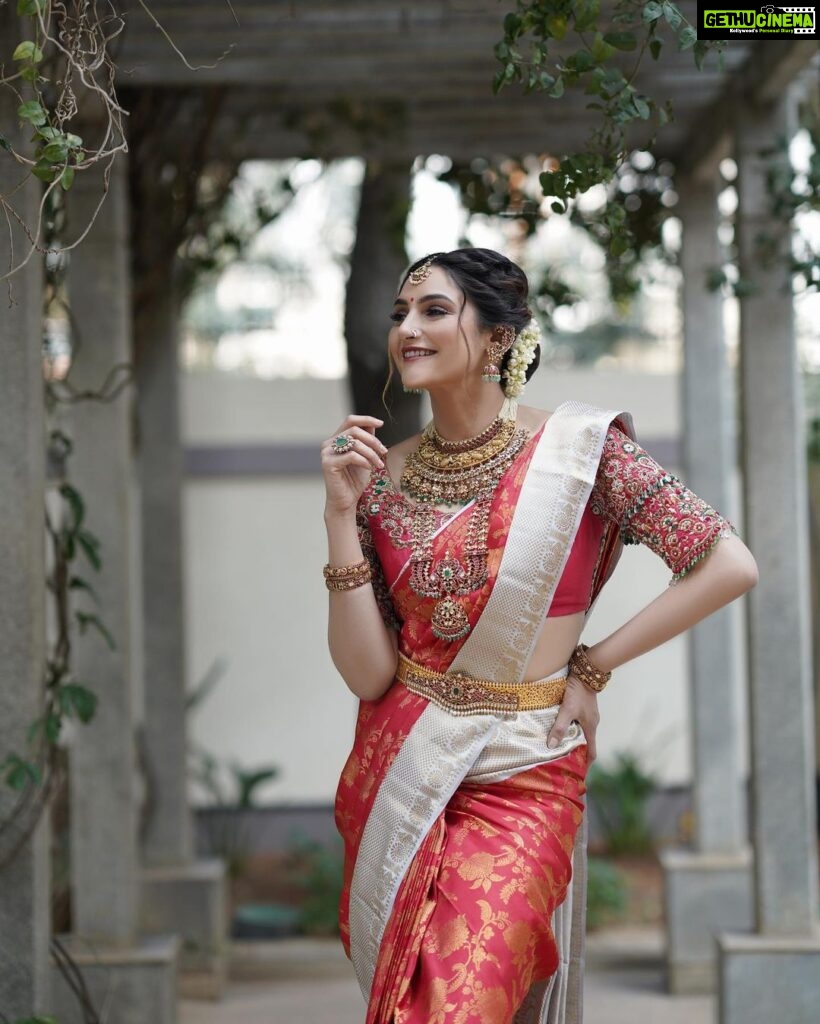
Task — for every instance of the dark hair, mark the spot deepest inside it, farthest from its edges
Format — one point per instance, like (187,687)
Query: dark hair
(496,286)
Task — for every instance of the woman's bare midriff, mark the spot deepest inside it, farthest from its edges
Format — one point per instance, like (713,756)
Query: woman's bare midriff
(560,633)
(558,639)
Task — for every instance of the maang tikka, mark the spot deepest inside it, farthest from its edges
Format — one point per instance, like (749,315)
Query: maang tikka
(495,353)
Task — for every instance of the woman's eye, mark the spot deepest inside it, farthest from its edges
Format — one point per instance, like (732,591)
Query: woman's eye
(395,317)
(432,311)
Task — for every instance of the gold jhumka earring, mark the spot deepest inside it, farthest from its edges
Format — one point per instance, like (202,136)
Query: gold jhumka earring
(495,353)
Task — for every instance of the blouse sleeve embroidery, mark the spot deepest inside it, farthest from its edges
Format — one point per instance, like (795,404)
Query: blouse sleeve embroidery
(380,588)
(654,507)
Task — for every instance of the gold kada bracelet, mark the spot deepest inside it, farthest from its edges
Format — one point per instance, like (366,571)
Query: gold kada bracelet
(347,577)
(582,668)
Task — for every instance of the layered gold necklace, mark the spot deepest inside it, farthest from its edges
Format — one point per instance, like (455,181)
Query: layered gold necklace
(454,473)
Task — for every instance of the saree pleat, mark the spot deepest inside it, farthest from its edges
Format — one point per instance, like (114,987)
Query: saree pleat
(485,935)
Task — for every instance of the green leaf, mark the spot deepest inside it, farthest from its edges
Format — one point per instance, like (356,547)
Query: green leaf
(586,14)
(619,245)
(25,51)
(687,38)
(75,501)
(52,728)
(652,11)
(90,545)
(672,15)
(56,151)
(18,772)
(73,140)
(642,107)
(32,111)
(558,207)
(700,49)
(557,91)
(30,7)
(557,26)
(44,171)
(30,73)
(621,40)
(85,620)
(76,699)
(601,51)
(582,60)
(77,583)
(5,144)
(512,23)
(655,48)
(67,179)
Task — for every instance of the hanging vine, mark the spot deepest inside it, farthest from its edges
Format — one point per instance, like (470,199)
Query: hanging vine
(66,63)
(595,69)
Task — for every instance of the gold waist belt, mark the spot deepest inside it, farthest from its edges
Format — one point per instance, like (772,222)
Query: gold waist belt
(463,695)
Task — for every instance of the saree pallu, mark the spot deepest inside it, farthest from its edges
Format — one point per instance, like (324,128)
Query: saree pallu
(460,901)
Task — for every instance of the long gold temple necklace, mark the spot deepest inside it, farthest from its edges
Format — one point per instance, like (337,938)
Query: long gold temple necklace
(455,472)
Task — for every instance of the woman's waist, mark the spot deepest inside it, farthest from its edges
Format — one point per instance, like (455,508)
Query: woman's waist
(463,694)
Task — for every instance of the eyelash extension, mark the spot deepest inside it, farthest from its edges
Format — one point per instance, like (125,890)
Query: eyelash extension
(437,310)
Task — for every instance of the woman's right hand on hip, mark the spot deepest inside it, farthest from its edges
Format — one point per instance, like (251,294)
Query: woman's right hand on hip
(347,473)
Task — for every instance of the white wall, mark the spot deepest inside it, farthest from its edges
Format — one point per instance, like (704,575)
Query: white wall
(254,548)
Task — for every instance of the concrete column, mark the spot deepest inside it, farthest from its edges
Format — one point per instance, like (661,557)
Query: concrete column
(24,881)
(178,893)
(774,974)
(708,888)
(140,978)
(168,830)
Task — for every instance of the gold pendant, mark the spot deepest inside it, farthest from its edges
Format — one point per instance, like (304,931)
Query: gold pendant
(449,620)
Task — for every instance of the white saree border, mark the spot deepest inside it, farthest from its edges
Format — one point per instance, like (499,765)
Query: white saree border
(547,514)
(441,748)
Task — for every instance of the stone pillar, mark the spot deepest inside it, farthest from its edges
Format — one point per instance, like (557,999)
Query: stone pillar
(708,888)
(136,979)
(774,973)
(167,838)
(24,881)
(178,894)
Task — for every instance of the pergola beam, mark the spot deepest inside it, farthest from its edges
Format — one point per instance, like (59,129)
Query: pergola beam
(764,76)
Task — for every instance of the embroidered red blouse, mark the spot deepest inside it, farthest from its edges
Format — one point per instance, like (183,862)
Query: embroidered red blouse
(648,504)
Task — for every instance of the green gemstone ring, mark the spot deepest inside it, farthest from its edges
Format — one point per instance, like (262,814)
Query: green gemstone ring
(341,444)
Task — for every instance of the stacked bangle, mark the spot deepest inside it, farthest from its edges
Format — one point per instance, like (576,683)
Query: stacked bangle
(582,668)
(347,577)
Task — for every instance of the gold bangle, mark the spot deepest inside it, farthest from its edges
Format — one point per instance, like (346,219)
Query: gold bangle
(348,584)
(581,667)
(335,572)
(347,577)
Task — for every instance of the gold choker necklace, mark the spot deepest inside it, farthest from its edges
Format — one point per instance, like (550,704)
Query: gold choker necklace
(437,473)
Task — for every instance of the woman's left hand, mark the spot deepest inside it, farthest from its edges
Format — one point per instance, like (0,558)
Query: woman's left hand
(580,704)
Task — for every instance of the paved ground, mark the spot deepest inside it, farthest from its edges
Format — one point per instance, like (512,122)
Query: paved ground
(309,982)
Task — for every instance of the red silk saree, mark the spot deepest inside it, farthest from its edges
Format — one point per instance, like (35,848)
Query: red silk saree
(464,887)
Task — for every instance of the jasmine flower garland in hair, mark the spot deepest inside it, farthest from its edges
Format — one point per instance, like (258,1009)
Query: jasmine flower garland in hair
(521,355)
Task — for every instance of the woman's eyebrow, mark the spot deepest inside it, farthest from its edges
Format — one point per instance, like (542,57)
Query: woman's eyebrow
(432,295)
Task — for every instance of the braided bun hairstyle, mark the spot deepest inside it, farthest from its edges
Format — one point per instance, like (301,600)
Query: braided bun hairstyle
(497,287)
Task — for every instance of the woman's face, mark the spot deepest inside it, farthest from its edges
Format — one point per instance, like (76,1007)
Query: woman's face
(437,355)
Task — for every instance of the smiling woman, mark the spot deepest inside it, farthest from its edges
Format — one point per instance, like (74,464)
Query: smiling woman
(463,565)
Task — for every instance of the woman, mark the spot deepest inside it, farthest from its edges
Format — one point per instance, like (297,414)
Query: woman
(463,564)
